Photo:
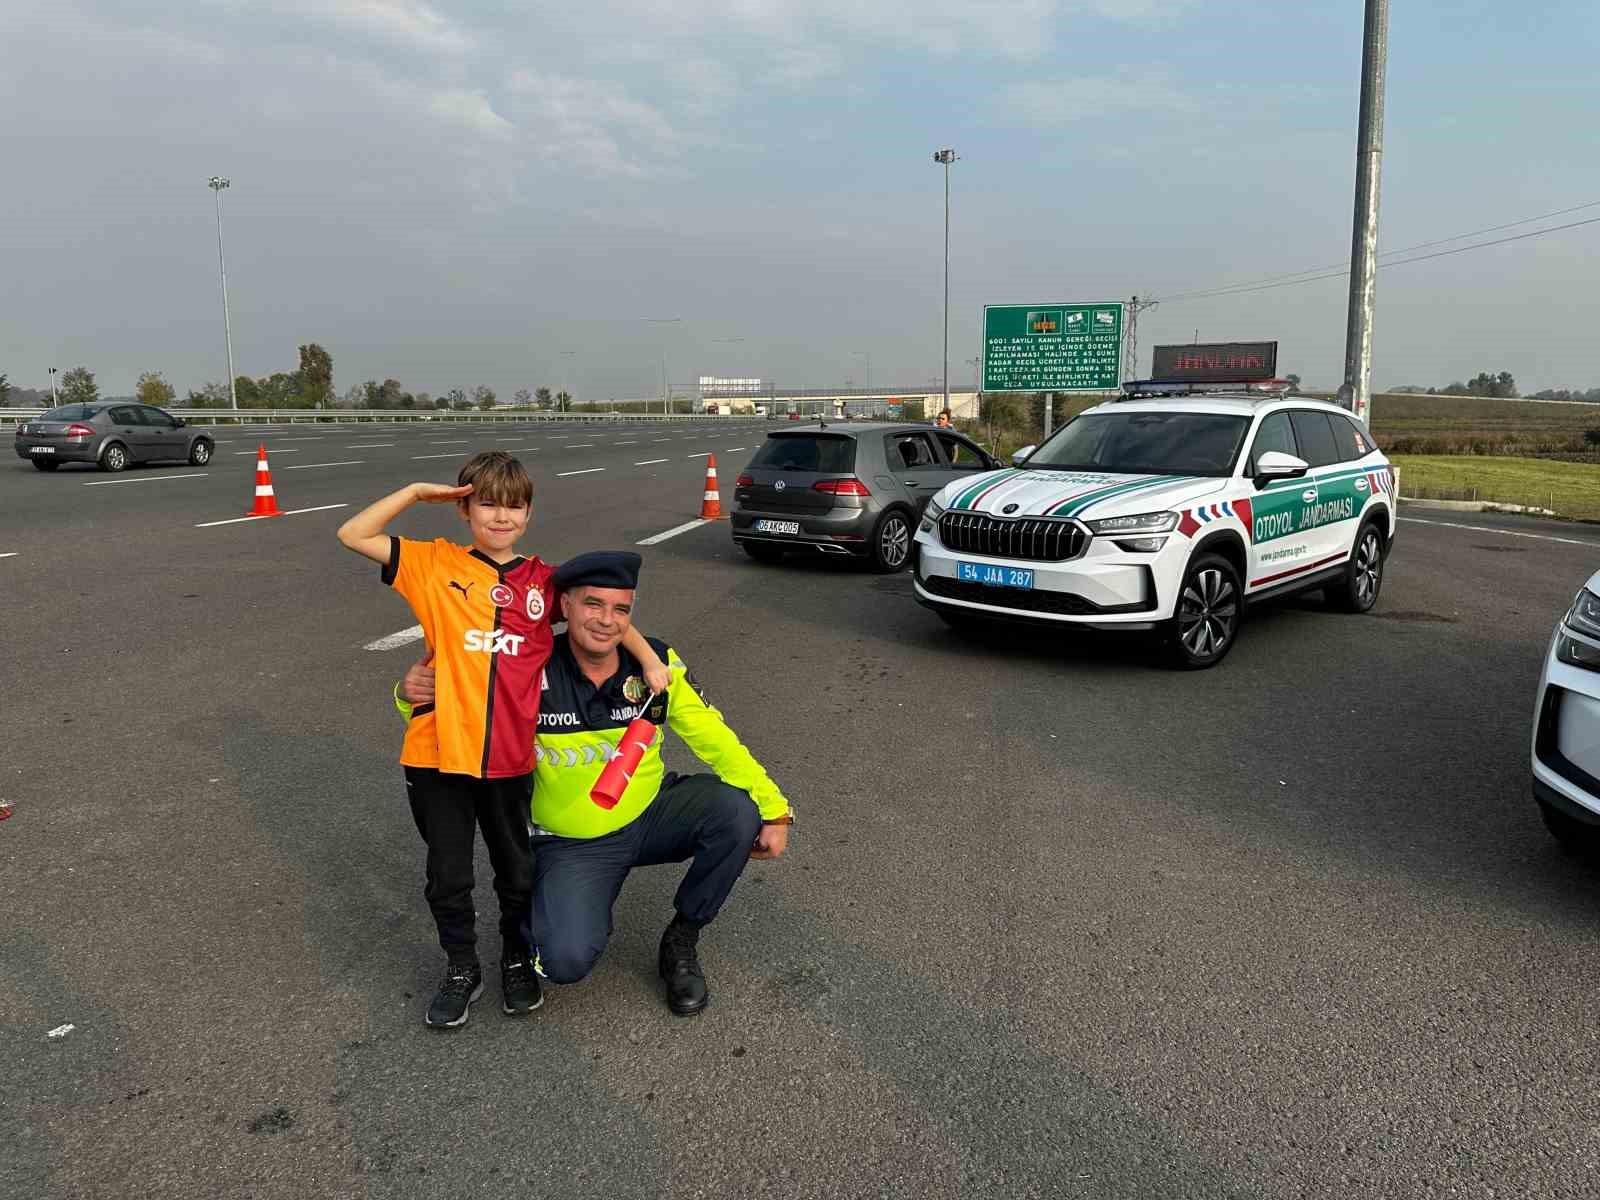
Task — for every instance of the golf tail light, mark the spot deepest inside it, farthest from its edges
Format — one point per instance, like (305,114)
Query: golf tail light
(841,487)
(744,481)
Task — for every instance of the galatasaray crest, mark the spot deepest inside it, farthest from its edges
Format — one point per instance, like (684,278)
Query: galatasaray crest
(535,604)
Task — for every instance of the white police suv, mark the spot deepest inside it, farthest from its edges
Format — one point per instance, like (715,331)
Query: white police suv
(1566,726)
(1170,510)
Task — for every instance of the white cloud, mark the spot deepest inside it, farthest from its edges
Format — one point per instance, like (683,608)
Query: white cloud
(1053,103)
(591,123)
(399,22)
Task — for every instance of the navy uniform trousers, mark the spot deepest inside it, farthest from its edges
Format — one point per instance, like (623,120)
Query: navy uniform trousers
(576,880)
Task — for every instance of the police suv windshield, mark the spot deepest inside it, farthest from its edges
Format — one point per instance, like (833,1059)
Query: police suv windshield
(1145,443)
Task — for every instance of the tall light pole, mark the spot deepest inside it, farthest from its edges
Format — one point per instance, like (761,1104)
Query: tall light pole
(566,371)
(946,157)
(665,400)
(52,387)
(1356,391)
(216,184)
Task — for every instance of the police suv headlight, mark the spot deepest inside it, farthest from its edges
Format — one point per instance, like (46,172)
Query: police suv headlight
(1584,615)
(1140,545)
(1156,522)
(1577,653)
(931,515)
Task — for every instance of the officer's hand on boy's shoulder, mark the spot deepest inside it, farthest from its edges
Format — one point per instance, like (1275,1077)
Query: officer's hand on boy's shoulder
(417,687)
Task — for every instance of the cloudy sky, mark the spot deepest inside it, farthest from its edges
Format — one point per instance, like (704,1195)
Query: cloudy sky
(498,192)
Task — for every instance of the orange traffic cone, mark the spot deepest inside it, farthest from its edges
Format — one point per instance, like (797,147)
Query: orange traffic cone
(266,502)
(711,506)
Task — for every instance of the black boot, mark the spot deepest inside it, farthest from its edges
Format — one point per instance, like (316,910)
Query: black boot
(680,968)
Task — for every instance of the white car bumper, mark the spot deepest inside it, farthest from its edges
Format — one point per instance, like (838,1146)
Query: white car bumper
(1566,737)
(1104,587)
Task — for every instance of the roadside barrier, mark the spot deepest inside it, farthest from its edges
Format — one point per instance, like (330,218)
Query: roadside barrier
(266,502)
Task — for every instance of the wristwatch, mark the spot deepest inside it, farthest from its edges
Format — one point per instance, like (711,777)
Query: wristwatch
(786,819)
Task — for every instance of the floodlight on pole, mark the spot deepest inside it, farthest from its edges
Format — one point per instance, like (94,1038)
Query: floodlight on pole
(216,184)
(946,157)
(52,387)
(666,400)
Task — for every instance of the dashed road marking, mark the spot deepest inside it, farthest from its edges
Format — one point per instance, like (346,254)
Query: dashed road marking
(369,445)
(702,454)
(318,438)
(579,445)
(447,441)
(288,512)
(269,452)
(452,454)
(10,554)
(624,443)
(349,462)
(1538,537)
(395,639)
(649,462)
(145,479)
(731,449)
(585,471)
(670,533)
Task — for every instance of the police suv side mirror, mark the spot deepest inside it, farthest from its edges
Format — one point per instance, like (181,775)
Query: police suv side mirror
(1275,464)
(1018,457)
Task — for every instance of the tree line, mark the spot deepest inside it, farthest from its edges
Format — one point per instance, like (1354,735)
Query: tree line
(309,386)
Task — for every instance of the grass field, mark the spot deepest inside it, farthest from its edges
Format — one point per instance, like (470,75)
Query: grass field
(1571,489)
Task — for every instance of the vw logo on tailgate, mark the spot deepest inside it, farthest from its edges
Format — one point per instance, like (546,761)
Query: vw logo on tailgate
(779,486)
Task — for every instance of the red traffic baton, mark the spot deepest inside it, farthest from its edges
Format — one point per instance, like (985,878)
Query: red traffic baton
(638,737)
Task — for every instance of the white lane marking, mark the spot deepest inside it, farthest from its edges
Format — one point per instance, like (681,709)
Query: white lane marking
(349,462)
(585,471)
(660,439)
(269,452)
(649,462)
(1538,537)
(288,512)
(10,554)
(61,1031)
(146,479)
(318,438)
(579,445)
(673,532)
(452,454)
(369,445)
(624,443)
(731,449)
(447,441)
(395,639)
(511,439)
(702,454)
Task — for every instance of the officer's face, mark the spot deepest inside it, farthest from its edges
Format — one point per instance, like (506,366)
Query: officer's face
(597,617)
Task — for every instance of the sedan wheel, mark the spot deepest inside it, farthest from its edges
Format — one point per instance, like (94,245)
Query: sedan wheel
(892,545)
(200,452)
(115,457)
(1206,623)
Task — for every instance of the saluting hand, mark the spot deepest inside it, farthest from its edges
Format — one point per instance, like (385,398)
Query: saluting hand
(440,493)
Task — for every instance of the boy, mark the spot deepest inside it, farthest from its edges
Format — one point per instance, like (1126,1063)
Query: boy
(486,613)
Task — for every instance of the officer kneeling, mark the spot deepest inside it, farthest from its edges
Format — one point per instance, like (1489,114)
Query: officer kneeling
(582,852)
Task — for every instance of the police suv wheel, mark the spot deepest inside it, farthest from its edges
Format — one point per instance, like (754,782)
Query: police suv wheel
(891,543)
(1358,591)
(114,458)
(200,452)
(1210,606)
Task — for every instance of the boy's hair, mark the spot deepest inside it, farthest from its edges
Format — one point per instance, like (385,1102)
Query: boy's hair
(497,478)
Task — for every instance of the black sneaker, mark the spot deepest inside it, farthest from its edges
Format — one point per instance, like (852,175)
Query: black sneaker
(461,986)
(680,968)
(520,989)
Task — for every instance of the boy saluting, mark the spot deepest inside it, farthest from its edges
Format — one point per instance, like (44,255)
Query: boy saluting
(486,612)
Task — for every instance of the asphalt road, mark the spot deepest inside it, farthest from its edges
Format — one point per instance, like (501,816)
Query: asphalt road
(1055,921)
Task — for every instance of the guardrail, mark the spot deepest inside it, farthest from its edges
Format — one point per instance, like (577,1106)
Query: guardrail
(387,416)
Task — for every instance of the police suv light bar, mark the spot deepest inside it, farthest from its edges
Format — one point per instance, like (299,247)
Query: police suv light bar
(1135,388)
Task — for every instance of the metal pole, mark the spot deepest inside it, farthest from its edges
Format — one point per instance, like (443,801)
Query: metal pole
(946,156)
(53,387)
(216,185)
(1356,391)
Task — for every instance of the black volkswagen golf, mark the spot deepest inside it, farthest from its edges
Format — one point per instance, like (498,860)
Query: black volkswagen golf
(846,489)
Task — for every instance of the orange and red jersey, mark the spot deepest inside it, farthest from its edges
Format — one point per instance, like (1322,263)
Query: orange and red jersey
(489,626)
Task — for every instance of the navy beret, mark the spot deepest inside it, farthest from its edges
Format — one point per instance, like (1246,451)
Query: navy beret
(600,568)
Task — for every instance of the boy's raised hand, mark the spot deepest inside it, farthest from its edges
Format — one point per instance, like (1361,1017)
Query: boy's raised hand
(441,493)
(659,677)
